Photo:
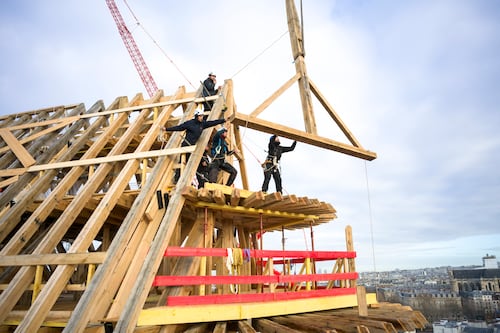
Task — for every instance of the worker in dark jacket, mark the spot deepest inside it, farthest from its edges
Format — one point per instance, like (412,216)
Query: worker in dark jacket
(193,129)
(209,90)
(271,164)
(219,152)
(203,167)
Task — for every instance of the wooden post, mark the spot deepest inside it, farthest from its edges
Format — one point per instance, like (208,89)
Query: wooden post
(37,283)
(361,296)
(351,265)
(296,41)
(307,263)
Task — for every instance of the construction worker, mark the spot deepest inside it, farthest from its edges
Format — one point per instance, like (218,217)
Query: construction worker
(209,90)
(203,167)
(219,152)
(193,127)
(271,164)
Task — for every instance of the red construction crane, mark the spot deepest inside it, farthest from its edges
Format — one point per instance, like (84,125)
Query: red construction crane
(133,50)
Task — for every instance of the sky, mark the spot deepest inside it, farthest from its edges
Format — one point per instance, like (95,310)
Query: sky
(416,82)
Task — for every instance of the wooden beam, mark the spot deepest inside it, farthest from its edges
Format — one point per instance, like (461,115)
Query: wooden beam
(53,259)
(152,261)
(10,180)
(275,95)
(17,148)
(255,211)
(218,312)
(294,134)
(334,115)
(112,158)
(298,52)
(60,124)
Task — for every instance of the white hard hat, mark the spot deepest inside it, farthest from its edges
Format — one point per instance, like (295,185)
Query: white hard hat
(198,112)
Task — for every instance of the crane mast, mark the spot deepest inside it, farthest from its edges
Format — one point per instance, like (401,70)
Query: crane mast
(133,50)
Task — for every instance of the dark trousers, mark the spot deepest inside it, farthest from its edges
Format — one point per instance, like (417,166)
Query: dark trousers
(178,171)
(218,165)
(272,170)
(207,106)
(202,176)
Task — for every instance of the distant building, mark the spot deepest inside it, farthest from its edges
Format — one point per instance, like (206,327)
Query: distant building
(490,262)
(486,278)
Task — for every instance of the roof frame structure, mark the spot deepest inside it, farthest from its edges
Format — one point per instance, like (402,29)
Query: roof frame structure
(306,87)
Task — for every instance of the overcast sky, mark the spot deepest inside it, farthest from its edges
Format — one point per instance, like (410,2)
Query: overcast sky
(417,82)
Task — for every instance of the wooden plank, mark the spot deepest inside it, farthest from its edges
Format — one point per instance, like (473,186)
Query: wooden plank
(198,328)
(266,325)
(53,259)
(166,315)
(219,197)
(227,190)
(305,137)
(241,157)
(17,148)
(254,200)
(253,211)
(362,306)
(9,181)
(111,159)
(305,326)
(235,197)
(220,327)
(245,327)
(12,172)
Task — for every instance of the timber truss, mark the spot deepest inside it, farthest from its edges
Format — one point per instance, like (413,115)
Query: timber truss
(95,235)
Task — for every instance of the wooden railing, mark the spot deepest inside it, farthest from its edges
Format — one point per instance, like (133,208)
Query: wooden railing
(268,284)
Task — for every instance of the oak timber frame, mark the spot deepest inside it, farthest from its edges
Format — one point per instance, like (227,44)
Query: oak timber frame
(47,153)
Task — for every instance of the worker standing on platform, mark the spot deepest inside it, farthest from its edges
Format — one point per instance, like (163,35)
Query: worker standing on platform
(193,127)
(209,90)
(271,164)
(203,167)
(219,152)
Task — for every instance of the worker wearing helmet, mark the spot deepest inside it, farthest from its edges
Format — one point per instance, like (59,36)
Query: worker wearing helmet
(219,152)
(209,90)
(193,127)
(271,164)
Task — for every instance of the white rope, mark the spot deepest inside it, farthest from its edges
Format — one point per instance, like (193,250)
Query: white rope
(371,220)
(261,53)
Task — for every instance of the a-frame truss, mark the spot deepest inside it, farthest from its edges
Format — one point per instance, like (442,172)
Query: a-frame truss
(306,86)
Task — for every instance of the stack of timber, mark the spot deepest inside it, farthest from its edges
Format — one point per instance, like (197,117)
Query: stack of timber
(95,236)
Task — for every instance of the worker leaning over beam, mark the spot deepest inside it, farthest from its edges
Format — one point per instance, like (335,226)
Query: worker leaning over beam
(271,164)
(193,127)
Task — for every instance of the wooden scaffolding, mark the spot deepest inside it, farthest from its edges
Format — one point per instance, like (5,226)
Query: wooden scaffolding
(95,235)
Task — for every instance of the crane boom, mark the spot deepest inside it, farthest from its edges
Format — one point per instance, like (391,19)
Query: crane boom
(133,50)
